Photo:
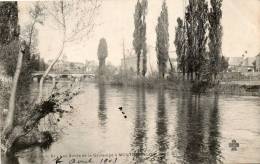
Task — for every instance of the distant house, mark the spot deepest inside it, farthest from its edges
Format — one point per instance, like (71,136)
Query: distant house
(241,64)
(257,59)
(67,67)
(234,63)
(247,64)
(130,63)
(90,66)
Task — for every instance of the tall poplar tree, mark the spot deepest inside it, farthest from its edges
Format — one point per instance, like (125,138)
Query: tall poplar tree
(191,22)
(180,45)
(144,45)
(215,36)
(102,55)
(162,42)
(139,35)
(196,28)
(201,38)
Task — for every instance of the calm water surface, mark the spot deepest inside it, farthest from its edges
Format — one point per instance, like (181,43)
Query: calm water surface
(162,126)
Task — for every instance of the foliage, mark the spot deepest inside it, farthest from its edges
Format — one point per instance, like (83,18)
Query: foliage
(30,32)
(254,65)
(223,64)
(102,55)
(139,35)
(201,38)
(215,36)
(180,44)
(8,56)
(53,105)
(9,29)
(191,21)
(110,70)
(162,42)
(196,24)
(192,36)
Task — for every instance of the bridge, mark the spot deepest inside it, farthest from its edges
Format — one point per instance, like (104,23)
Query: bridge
(66,76)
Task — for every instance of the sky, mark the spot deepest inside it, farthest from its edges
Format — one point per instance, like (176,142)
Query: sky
(241,30)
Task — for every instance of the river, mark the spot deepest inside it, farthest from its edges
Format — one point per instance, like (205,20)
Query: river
(154,126)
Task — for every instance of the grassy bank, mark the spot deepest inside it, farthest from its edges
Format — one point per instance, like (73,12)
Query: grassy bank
(196,87)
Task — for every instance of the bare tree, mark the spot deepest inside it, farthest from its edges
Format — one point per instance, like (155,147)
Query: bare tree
(30,32)
(75,21)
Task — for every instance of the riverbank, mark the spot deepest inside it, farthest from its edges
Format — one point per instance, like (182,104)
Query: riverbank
(228,88)
(29,130)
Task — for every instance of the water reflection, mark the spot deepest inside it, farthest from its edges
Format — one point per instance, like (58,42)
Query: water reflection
(161,127)
(197,129)
(139,144)
(214,134)
(102,109)
(179,128)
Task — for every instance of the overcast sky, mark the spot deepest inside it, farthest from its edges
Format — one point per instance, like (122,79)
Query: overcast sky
(241,25)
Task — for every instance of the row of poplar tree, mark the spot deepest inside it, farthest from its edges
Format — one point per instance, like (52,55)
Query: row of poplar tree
(198,39)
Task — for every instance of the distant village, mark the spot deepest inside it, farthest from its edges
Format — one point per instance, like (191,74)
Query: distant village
(241,64)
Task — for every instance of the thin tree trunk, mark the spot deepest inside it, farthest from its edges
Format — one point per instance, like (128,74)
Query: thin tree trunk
(138,63)
(183,73)
(10,116)
(57,57)
(170,64)
(144,64)
(48,70)
(30,35)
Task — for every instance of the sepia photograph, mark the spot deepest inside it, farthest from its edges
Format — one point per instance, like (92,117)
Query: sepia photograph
(130,81)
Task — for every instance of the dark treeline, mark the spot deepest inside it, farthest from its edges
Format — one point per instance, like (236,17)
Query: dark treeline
(198,41)
(10,42)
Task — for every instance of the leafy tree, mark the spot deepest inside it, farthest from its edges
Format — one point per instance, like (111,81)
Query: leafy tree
(162,40)
(224,64)
(43,65)
(11,49)
(196,29)
(144,45)
(254,65)
(102,55)
(180,45)
(191,22)
(9,36)
(215,36)
(30,33)
(201,38)
(139,35)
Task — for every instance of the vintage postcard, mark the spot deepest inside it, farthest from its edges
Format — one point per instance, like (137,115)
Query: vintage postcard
(130,81)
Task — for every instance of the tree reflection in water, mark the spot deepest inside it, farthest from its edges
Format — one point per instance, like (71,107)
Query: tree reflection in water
(139,144)
(197,129)
(102,109)
(161,127)
(214,134)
